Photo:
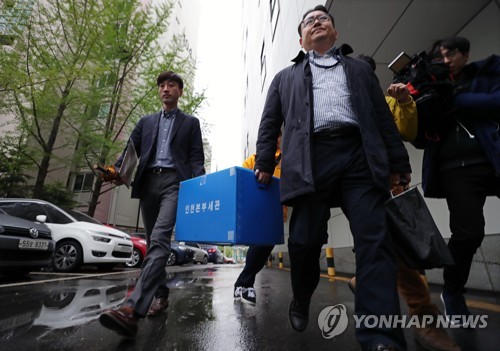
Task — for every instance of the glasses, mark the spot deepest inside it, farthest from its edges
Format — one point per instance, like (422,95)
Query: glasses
(450,54)
(311,20)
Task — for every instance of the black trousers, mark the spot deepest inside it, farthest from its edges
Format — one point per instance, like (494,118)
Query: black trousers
(466,190)
(342,177)
(256,259)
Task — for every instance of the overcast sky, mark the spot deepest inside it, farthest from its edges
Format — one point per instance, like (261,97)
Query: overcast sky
(219,72)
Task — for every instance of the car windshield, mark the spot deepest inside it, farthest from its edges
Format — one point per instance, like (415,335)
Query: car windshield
(82,217)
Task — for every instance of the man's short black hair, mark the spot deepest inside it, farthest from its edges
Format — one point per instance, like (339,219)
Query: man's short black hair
(369,60)
(171,76)
(317,8)
(434,52)
(459,43)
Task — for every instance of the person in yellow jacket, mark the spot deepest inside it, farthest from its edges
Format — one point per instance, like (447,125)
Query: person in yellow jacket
(404,110)
(256,255)
(410,285)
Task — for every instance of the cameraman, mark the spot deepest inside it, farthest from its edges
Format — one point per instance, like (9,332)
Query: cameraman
(462,163)
(410,285)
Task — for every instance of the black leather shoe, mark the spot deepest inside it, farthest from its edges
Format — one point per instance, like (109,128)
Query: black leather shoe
(298,315)
(382,347)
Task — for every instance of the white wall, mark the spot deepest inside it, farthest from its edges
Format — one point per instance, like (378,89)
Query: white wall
(256,28)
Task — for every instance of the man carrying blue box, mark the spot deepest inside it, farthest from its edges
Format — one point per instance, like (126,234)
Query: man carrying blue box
(341,148)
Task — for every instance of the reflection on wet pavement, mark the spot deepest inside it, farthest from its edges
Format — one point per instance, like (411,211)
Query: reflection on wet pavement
(60,313)
(57,305)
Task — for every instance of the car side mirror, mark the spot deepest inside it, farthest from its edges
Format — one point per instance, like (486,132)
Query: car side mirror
(41,218)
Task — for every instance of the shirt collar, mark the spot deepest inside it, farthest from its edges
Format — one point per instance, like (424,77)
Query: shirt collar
(332,52)
(169,114)
(344,49)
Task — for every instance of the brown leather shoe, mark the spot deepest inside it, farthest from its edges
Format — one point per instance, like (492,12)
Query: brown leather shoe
(121,321)
(158,307)
(434,339)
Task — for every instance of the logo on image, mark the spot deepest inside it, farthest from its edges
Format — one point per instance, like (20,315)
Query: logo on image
(333,321)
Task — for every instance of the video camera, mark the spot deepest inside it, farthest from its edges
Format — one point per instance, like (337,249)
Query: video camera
(403,61)
(418,70)
(429,84)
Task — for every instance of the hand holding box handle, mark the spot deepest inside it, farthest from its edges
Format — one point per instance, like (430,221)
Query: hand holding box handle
(263,178)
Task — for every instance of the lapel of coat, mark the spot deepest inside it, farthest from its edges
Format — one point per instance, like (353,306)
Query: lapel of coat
(179,117)
(155,125)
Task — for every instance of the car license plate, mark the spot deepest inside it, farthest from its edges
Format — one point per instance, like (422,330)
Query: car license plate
(30,244)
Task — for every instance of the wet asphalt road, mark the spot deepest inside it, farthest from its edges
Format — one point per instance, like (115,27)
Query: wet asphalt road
(60,312)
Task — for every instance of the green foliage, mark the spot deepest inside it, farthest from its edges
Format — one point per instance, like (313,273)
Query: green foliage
(13,167)
(58,194)
(9,4)
(81,73)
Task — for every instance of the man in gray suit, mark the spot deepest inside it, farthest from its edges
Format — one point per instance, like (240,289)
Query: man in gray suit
(170,150)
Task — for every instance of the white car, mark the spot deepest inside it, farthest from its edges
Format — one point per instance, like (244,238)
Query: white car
(200,255)
(77,242)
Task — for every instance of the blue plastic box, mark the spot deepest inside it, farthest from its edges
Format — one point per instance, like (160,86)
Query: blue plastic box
(229,207)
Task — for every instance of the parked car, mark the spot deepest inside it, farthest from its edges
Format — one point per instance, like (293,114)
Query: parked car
(214,254)
(24,245)
(139,235)
(138,239)
(139,253)
(77,241)
(200,255)
(179,254)
(228,259)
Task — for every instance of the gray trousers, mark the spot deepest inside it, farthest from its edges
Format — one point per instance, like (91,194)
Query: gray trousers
(158,208)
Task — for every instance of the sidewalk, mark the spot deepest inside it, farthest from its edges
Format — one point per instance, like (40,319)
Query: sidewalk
(202,316)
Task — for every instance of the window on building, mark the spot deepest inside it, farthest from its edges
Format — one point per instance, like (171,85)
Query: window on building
(247,146)
(246,94)
(106,80)
(263,69)
(274,6)
(83,182)
(104,110)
